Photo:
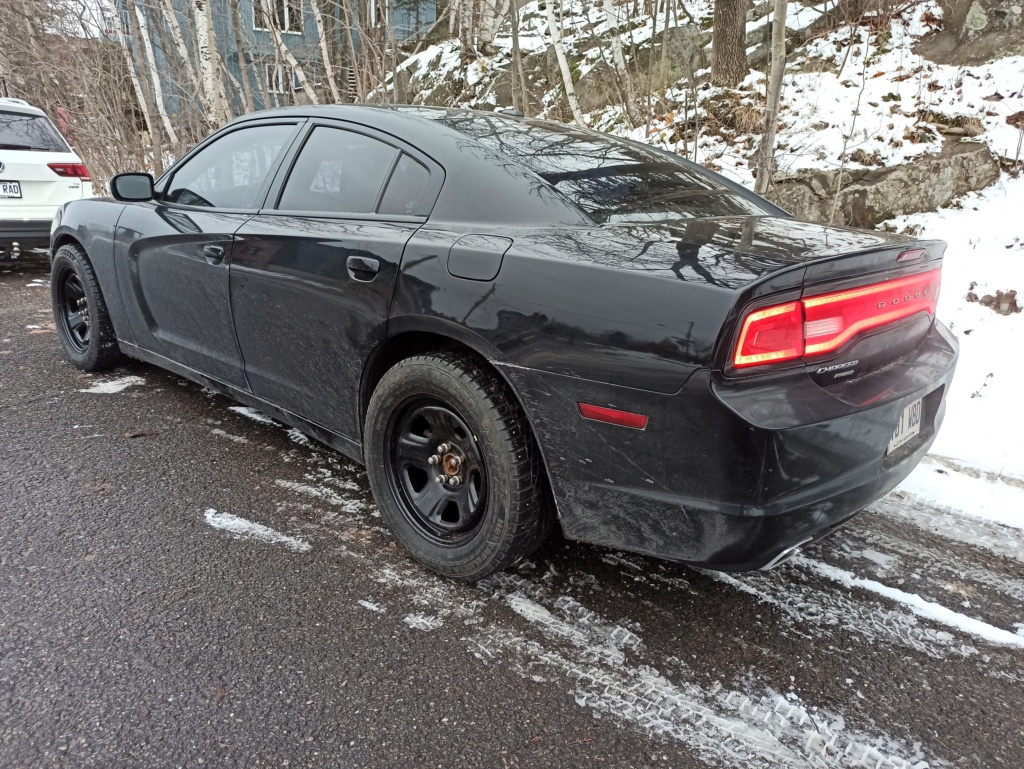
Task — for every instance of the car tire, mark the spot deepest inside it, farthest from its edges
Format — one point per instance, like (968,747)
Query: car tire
(451,408)
(80,313)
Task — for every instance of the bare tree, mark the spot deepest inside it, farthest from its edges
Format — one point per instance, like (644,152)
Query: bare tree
(212,85)
(140,32)
(325,51)
(728,42)
(563,64)
(520,98)
(766,153)
(241,48)
(629,96)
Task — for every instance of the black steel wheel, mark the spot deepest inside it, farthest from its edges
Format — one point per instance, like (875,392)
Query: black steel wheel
(437,471)
(79,312)
(72,310)
(454,467)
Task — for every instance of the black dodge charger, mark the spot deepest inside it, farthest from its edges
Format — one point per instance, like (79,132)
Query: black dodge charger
(516,324)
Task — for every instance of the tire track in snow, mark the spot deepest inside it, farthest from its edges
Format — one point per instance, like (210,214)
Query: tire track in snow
(604,665)
(996,538)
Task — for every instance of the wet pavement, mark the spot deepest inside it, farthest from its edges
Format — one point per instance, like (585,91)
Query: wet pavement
(187,584)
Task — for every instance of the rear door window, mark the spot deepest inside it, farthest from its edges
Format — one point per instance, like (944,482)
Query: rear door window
(337,172)
(19,131)
(232,172)
(405,188)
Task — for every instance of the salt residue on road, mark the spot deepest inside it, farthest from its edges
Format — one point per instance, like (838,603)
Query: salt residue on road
(246,529)
(112,386)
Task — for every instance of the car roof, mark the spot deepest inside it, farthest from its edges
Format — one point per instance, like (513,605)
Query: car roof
(9,104)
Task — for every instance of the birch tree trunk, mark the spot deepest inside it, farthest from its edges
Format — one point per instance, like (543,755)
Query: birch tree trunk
(179,43)
(328,67)
(142,93)
(140,32)
(209,71)
(243,65)
(620,63)
(288,56)
(766,153)
(563,65)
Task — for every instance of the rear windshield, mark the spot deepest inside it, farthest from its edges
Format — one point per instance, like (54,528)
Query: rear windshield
(19,131)
(610,179)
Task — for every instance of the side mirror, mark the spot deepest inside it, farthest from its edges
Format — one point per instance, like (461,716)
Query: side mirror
(132,188)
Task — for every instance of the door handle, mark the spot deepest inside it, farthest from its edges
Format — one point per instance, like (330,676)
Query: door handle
(214,254)
(362,268)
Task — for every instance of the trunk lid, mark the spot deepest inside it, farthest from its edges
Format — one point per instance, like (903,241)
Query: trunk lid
(771,261)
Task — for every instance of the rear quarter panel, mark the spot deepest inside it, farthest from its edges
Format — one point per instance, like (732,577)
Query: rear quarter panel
(563,303)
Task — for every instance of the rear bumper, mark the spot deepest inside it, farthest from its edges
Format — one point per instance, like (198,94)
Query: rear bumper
(730,475)
(27,233)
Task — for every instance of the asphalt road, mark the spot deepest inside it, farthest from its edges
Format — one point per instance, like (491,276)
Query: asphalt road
(184,585)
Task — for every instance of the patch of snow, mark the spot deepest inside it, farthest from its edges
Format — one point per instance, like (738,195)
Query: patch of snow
(298,436)
(977,497)
(321,492)
(253,414)
(422,622)
(112,386)
(922,608)
(803,603)
(986,247)
(234,438)
(372,606)
(944,522)
(246,529)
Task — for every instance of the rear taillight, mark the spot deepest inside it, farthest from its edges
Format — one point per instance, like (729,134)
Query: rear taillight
(818,325)
(70,170)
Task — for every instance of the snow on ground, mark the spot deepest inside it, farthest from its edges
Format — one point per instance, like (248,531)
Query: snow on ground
(111,386)
(984,421)
(246,529)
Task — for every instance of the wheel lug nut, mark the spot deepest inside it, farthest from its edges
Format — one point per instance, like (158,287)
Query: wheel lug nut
(443,448)
(454,480)
(439,479)
(432,460)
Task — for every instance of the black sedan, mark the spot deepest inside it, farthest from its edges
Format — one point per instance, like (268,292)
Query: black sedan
(516,325)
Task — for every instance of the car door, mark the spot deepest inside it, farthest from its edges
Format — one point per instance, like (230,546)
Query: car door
(313,274)
(173,253)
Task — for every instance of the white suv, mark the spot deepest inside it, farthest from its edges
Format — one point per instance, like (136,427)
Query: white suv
(38,172)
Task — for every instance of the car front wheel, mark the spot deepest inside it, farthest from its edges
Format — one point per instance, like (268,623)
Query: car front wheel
(454,467)
(79,312)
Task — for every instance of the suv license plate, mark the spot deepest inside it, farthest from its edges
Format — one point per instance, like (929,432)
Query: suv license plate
(10,189)
(908,426)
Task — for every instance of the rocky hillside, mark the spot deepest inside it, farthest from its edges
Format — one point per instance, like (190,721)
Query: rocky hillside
(865,92)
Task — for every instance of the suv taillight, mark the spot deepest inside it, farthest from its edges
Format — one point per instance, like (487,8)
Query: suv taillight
(69,170)
(818,325)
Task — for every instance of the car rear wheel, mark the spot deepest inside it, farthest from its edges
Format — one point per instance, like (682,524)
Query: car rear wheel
(454,467)
(79,312)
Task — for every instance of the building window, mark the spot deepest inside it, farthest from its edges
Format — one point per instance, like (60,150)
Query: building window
(285,15)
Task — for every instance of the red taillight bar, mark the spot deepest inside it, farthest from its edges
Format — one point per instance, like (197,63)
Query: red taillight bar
(70,170)
(613,416)
(818,325)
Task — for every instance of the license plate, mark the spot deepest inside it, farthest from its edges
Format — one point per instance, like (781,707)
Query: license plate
(10,189)
(908,426)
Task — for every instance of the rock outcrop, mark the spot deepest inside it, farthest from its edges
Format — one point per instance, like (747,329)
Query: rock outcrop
(977,31)
(868,197)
